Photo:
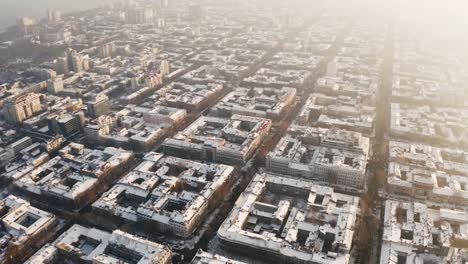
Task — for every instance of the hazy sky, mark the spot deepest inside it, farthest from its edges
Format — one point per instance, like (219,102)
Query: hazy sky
(444,15)
(12,9)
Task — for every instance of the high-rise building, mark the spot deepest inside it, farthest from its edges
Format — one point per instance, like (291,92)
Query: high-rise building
(98,106)
(85,63)
(161,22)
(22,107)
(27,25)
(165,68)
(77,63)
(21,144)
(72,61)
(53,15)
(135,82)
(61,65)
(106,50)
(195,12)
(139,15)
(164,3)
(332,69)
(66,124)
(55,85)
(42,74)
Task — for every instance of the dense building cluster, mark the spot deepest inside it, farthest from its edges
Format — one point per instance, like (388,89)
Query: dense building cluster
(230,132)
(81,244)
(427,182)
(134,127)
(231,140)
(170,195)
(292,221)
(427,172)
(23,227)
(344,112)
(268,103)
(415,233)
(75,176)
(332,156)
(429,124)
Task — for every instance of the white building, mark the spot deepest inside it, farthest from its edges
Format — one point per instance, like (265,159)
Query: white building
(226,140)
(291,221)
(168,194)
(90,245)
(414,233)
(329,156)
(74,177)
(22,227)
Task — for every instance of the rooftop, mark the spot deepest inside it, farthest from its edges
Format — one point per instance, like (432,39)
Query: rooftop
(22,226)
(75,172)
(269,77)
(345,112)
(260,102)
(295,219)
(166,190)
(97,246)
(207,258)
(414,225)
(237,137)
(317,153)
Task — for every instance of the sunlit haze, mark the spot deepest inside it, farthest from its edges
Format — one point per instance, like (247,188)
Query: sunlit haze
(234,131)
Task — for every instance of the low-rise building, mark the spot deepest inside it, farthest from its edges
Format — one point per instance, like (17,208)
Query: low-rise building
(9,152)
(23,227)
(355,86)
(134,127)
(330,156)
(291,221)
(75,177)
(30,158)
(430,173)
(80,244)
(426,184)
(226,140)
(191,97)
(258,102)
(294,60)
(166,194)
(269,77)
(414,233)
(344,112)
(430,124)
(207,258)
(206,74)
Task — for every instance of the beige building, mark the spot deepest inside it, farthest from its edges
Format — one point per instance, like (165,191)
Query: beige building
(22,107)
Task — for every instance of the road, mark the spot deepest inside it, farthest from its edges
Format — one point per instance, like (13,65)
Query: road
(378,162)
